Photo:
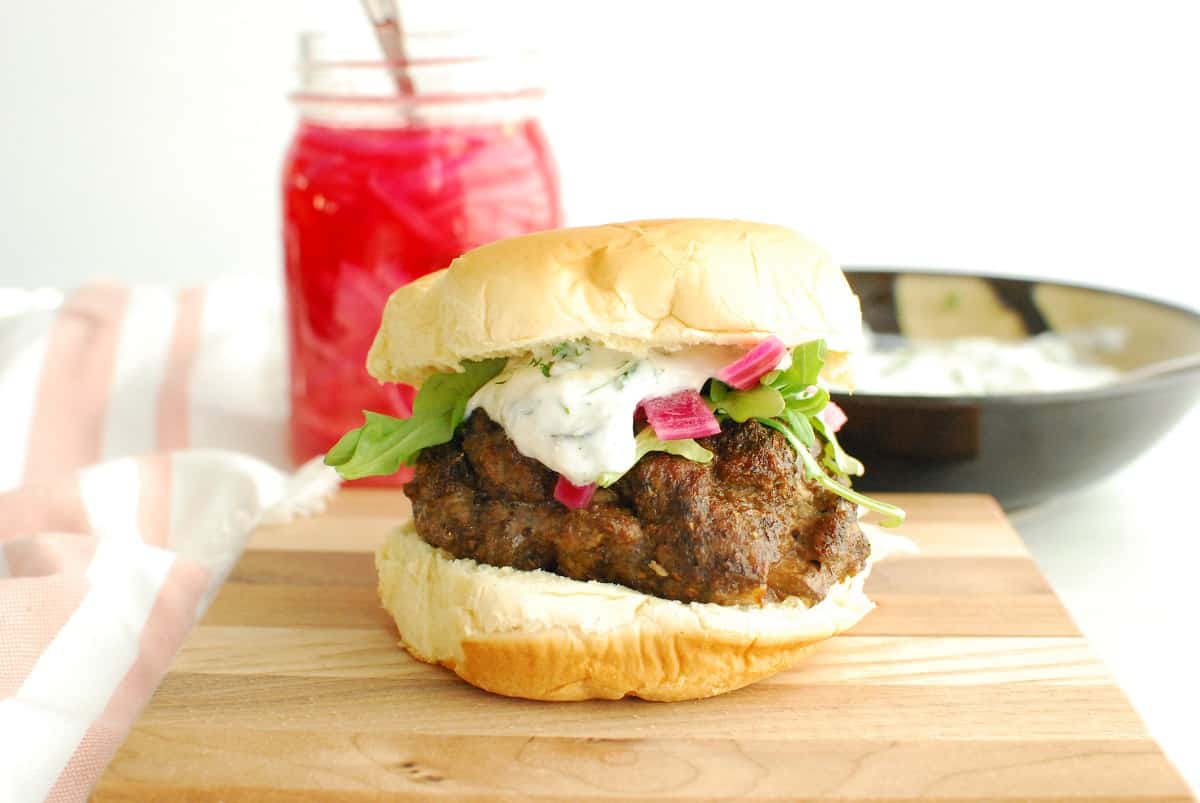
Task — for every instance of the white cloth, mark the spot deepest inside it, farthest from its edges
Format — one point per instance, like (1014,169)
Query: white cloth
(123,506)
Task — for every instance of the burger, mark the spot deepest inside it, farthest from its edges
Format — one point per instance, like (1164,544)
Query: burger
(627,477)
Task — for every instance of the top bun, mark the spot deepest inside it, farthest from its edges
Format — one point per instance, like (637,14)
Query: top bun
(655,284)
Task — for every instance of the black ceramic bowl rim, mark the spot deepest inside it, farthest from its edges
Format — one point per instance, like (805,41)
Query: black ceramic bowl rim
(1118,387)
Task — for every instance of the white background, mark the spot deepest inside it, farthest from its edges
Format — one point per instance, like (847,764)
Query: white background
(1062,139)
(1049,138)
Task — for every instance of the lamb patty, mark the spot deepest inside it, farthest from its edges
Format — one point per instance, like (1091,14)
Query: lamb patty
(747,528)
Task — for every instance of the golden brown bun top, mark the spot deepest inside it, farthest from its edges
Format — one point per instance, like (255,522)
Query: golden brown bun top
(661,284)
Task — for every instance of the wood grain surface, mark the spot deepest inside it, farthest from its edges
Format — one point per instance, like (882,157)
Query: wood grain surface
(968,682)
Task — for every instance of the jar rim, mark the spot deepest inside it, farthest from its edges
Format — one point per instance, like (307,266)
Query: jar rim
(328,98)
(448,75)
(407,62)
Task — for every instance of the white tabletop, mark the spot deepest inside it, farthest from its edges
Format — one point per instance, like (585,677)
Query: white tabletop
(1122,555)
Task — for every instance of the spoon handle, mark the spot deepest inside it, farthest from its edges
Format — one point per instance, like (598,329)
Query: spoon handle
(389,30)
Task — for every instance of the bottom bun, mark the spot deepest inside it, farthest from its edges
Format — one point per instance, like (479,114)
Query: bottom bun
(541,636)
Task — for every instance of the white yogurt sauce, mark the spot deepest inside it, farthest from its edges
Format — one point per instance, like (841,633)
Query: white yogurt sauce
(578,419)
(981,366)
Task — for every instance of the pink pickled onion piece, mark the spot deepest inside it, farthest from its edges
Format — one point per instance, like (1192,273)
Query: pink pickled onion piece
(681,415)
(573,496)
(834,417)
(745,372)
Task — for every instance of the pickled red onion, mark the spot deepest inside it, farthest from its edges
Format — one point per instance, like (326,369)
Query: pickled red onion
(745,372)
(833,417)
(573,496)
(680,415)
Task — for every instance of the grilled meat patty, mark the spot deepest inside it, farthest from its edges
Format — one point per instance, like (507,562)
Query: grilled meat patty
(746,528)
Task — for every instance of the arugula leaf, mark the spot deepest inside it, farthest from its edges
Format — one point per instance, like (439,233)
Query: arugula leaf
(807,361)
(835,456)
(802,426)
(809,403)
(893,516)
(759,402)
(647,442)
(384,443)
(790,401)
(784,430)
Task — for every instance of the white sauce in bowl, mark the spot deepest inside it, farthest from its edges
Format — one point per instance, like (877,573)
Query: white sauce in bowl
(979,366)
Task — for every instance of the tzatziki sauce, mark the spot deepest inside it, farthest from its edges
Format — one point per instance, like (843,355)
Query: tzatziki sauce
(571,408)
(976,366)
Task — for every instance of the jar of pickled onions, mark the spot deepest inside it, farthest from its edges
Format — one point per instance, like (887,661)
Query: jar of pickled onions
(394,170)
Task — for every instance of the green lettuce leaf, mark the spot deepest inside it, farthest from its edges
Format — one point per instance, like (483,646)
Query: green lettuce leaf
(384,443)
(647,442)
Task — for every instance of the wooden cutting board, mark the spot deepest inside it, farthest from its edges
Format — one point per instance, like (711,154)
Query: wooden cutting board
(969,682)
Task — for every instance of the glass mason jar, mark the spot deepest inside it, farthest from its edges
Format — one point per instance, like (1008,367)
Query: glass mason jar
(391,175)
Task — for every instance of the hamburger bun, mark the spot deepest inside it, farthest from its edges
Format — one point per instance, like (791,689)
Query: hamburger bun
(541,636)
(661,284)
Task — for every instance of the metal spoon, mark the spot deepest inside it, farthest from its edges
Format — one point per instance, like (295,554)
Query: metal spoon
(389,30)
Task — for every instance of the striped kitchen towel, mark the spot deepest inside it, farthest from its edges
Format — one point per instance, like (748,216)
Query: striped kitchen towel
(142,438)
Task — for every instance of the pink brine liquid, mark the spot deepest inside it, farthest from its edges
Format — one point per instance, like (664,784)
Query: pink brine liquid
(368,210)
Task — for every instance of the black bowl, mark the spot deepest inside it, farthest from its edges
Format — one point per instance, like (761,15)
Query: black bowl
(1028,447)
